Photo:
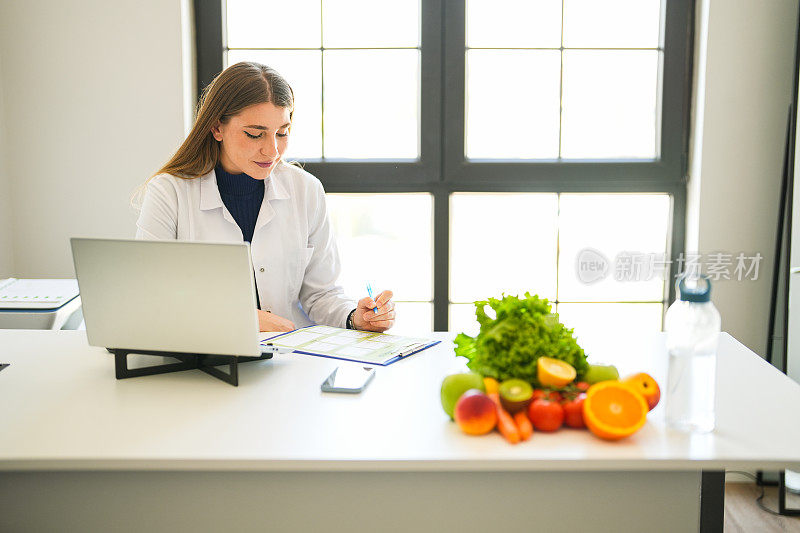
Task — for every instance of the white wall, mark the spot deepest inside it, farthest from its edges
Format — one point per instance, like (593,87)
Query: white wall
(744,61)
(6,230)
(93,104)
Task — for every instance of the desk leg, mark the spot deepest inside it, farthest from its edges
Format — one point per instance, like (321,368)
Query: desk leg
(712,501)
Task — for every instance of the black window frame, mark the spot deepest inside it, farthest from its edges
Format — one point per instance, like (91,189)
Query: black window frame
(443,169)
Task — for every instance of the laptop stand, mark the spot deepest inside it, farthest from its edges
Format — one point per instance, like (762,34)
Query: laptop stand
(205,362)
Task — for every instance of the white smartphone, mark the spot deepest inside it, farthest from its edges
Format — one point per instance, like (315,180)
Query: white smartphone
(350,379)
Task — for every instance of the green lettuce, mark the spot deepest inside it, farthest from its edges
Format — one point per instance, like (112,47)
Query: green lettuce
(522,331)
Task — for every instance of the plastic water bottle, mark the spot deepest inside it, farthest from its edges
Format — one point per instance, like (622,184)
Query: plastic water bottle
(693,325)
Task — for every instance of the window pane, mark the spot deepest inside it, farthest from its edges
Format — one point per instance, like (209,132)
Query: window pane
(273,23)
(512,104)
(514,24)
(610,101)
(502,243)
(414,319)
(599,327)
(371,104)
(368,24)
(595,229)
(301,68)
(462,319)
(385,240)
(611,23)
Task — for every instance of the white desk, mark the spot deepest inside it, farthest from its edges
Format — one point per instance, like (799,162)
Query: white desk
(80,450)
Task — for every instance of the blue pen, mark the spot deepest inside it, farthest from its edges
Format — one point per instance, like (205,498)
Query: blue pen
(369,291)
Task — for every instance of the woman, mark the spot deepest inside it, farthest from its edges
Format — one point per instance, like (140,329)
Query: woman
(228,182)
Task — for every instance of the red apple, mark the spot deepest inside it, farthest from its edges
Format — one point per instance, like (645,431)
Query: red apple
(475,413)
(645,385)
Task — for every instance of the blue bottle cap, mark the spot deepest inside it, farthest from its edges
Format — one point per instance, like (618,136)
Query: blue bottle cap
(698,289)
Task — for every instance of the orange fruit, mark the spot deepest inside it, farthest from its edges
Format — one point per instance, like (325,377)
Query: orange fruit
(491,384)
(554,373)
(614,410)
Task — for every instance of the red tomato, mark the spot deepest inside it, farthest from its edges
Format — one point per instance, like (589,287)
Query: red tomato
(546,415)
(573,411)
(582,386)
(552,395)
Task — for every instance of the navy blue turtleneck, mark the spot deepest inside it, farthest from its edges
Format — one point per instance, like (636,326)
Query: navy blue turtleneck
(242,195)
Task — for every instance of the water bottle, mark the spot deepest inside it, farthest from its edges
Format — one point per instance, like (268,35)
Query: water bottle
(693,325)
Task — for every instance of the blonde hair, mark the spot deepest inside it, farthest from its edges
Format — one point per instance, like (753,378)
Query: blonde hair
(237,87)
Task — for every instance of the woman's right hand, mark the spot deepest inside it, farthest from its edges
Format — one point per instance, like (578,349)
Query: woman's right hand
(271,322)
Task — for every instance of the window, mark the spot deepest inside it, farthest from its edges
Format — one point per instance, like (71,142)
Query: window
(343,58)
(386,240)
(582,80)
(482,146)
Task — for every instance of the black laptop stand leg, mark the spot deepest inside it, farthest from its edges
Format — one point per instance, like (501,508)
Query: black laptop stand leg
(122,370)
(205,362)
(231,377)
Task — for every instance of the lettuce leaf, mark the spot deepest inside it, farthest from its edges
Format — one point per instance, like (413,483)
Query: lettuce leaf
(520,331)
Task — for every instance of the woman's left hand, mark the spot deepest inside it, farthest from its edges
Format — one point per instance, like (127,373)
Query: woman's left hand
(368,320)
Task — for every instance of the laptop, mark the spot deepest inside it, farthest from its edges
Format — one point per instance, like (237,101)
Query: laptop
(168,296)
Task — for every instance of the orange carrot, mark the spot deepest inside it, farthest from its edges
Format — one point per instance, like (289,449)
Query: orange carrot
(524,424)
(505,424)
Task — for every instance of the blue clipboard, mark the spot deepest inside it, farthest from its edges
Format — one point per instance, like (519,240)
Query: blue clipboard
(407,351)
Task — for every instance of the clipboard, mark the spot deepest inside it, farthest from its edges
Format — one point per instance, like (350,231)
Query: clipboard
(366,347)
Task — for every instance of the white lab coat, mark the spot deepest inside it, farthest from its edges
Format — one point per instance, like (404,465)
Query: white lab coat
(293,249)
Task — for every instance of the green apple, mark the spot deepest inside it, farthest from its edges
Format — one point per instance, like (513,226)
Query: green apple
(598,373)
(455,385)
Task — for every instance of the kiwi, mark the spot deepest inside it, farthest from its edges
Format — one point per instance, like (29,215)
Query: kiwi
(515,394)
